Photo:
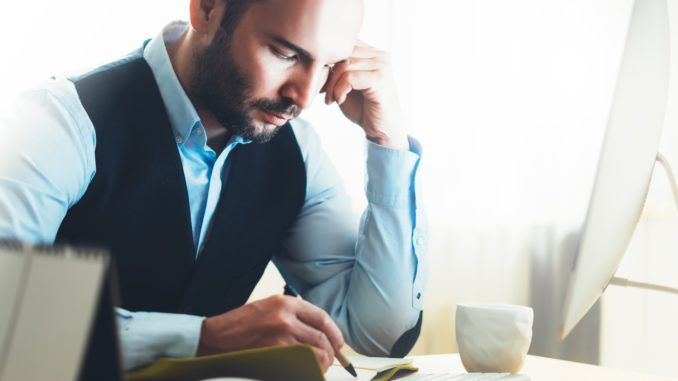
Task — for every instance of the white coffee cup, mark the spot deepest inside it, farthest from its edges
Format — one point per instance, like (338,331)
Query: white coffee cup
(493,337)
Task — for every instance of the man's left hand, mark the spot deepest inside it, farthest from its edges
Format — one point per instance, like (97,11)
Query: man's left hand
(365,90)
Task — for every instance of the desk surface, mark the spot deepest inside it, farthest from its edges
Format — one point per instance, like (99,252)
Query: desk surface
(539,369)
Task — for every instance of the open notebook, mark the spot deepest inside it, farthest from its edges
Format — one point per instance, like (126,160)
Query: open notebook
(372,368)
(284,363)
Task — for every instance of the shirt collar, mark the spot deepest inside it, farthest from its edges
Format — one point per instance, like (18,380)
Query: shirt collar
(182,114)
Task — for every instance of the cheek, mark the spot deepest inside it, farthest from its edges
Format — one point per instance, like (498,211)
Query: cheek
(264,74)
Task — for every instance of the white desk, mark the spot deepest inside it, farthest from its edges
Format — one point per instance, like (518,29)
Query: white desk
(539,369)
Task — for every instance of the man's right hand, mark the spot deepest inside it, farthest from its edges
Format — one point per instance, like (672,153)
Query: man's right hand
(276,320)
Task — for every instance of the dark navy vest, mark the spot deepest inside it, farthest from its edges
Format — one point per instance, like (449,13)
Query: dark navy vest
(137,203)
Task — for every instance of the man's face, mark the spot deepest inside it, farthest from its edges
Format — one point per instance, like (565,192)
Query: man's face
(274,63)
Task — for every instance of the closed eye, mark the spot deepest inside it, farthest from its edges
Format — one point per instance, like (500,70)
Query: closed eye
(278,53)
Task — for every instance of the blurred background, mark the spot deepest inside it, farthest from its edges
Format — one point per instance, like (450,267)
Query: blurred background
(510,100)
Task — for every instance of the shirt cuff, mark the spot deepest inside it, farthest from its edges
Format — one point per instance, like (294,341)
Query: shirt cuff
(391,173)
(147,336)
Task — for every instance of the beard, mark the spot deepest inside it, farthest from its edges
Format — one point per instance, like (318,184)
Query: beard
(221,88)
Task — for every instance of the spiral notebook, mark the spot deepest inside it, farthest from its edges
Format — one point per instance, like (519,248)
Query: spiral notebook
(55,303)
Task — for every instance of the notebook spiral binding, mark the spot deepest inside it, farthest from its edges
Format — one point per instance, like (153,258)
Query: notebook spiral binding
(19,247)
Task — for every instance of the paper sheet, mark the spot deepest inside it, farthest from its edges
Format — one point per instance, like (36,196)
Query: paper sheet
(366,367)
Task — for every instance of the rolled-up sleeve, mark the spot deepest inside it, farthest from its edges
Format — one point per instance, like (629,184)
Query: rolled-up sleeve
(147,336)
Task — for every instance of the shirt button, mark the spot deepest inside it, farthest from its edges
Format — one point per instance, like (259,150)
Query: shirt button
(419,241)
(418,295)
(179,139)
(198,131)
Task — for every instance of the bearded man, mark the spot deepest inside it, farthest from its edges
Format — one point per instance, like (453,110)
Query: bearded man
(186,160)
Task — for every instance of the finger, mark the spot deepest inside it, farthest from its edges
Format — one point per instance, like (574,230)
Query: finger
(368,52)
(337,71)
(364,52)
(320,320)
(325,359)
(354,80)
(316,338)
(364,64)
(362,43)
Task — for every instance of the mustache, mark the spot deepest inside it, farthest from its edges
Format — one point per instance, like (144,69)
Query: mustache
(283,107)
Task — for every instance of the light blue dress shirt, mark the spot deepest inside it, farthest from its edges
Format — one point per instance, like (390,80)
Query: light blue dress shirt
(370,278)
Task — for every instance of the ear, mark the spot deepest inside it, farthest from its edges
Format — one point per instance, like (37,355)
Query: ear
(203,14)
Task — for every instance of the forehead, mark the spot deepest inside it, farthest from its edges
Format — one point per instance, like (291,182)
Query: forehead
(327,29)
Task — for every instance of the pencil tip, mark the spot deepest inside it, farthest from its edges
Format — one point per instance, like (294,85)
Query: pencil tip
(350,369)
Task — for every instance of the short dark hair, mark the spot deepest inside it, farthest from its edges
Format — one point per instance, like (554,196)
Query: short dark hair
(235,9)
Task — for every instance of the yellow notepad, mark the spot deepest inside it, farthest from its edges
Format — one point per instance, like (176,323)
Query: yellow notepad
(284,363)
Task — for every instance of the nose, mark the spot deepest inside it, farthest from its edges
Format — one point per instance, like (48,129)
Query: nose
(302,86)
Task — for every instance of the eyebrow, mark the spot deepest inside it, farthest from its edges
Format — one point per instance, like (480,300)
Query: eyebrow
(299,50)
